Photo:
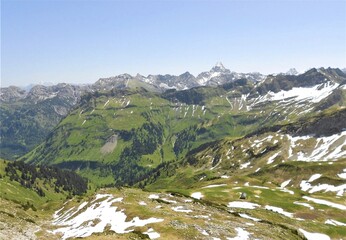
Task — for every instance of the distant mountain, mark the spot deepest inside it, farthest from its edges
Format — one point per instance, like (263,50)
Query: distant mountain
(219,75)
(292,71)
(28,116)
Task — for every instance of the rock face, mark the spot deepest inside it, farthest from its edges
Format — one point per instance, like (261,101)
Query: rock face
(219,75)
(12,94)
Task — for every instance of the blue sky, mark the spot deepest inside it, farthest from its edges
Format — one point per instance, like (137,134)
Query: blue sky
(81,41)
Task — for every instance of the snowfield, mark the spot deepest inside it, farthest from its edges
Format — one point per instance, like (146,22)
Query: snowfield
(93,217)
(327,148)
(313,94)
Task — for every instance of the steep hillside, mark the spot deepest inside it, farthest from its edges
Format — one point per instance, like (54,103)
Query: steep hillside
(29,195)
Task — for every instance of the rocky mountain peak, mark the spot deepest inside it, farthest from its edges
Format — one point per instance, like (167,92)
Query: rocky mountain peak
(292,71)
(11,93)
(219,67)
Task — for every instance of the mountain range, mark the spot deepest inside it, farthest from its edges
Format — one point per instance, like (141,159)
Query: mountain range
(217,156)
(28,115)
(36,110)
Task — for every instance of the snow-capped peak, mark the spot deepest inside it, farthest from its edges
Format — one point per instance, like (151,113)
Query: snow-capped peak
(220,65)
(292,71)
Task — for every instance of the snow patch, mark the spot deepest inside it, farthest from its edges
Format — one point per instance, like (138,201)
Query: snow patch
(325,202)
(244,215)
(241,234)
(279,210)
(215,185)
(272,158)
(244,165)
(327,148)
(181,209)
(334,222)
(285,183)
(154,196)
(152,234)
(314,236)
(314,177)
(246,205)
(312,94)
(93,219)
(197,195)
(305,205)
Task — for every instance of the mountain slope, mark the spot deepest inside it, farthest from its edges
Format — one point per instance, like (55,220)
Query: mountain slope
(122,135)
(29,195)
(28,117)
(244,159)
(290,169)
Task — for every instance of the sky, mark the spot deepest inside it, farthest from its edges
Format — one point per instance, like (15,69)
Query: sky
(52,41)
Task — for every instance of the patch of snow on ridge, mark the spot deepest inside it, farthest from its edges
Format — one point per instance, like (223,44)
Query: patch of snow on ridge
(241,234)
(334,222)
(325,202)
(238,204)
(215,185)
(305,205)
(244,165)
(343,174)
(181,209)
(279,210)
(93,219)
(152,234)
(154,196)
(327,148)
(244,215)
(306,186)
(314,236)
(313,94)
(197,195)
(285,183)
(329,188)
(314,177)
(272,158)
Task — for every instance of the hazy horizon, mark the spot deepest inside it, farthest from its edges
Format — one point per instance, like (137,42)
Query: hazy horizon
(82,41)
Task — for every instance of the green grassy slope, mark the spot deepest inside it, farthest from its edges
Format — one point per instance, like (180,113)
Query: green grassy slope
(119,137)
